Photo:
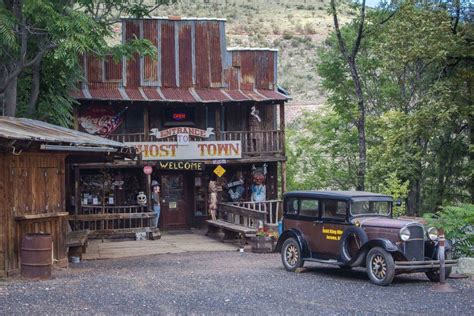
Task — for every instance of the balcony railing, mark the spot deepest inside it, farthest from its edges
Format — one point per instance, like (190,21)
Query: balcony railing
(254,143)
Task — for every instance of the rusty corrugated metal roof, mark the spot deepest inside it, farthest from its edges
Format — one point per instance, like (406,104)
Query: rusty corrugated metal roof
(193,64)
(12,128)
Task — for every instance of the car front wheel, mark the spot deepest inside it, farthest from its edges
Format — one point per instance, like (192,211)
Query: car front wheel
(380,266)
(291,255)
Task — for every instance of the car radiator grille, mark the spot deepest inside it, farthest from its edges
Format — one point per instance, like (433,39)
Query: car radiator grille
(415,246)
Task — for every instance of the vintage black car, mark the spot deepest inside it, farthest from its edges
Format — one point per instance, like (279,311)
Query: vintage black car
(354,228)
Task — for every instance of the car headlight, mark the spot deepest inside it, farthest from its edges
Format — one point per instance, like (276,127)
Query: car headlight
(432,233)
(404,234)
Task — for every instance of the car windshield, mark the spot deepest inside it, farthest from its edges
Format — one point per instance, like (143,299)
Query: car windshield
(370,208)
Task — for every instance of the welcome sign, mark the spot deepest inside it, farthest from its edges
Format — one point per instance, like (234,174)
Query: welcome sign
(194,151)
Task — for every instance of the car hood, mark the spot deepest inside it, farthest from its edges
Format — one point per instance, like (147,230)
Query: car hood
(377,221)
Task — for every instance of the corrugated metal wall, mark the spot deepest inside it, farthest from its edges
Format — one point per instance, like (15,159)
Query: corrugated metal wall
(191,54)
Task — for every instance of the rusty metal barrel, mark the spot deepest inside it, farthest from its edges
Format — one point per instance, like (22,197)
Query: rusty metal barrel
(36,256)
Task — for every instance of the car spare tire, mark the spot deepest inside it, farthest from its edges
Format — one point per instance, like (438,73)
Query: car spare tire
(351,241)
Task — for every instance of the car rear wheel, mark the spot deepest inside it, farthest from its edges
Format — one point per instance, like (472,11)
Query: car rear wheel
(291,255)
(433,275)
(380,266)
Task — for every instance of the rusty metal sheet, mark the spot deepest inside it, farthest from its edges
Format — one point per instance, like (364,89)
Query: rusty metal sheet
(152,94)
(150,65)
(212,95)
(168,56)
(247,69)
(254,95)
(27,129)
(272,95)
(215,54)
(185,55)
(134,94)
(94,69)
(263,69)
(203,79)
(237,95)
(112,69)
(132,30)
(178,95)
(104,91)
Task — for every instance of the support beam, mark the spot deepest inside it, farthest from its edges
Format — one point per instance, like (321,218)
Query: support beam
(77,194)
(218,121)
(282,140)
(146,122)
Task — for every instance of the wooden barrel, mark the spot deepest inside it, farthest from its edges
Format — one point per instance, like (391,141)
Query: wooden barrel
(36,256)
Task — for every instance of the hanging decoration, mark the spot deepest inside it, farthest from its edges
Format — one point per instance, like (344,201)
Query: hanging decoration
(141,198)
(258,188)
(101,120)
(235,189)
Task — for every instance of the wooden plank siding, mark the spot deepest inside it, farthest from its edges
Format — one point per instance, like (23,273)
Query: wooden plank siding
(30,184)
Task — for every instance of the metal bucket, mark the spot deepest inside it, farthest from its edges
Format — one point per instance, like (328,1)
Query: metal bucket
(36,256)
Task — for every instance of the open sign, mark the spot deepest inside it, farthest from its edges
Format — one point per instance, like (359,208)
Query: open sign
(179,116)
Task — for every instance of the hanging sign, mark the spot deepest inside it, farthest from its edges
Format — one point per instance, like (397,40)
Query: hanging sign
(193,151)
(147,170)
(191,131)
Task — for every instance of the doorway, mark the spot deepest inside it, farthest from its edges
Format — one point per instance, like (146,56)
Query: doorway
(174,201)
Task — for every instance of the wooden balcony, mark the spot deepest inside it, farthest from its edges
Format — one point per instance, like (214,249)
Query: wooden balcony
(254,143)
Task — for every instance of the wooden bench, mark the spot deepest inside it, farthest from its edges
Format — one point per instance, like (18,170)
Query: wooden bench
(231,231)
(77,242)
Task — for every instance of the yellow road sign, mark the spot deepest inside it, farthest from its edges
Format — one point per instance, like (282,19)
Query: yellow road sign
(219,171)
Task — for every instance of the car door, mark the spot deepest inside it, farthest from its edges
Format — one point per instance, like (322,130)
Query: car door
(308,218)
(330,227)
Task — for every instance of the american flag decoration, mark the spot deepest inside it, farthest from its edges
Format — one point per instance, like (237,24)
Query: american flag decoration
(112,124)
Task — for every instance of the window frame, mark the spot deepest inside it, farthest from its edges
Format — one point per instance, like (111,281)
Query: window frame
(334,219)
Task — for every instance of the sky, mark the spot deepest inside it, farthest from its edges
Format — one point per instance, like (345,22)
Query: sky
(372,3)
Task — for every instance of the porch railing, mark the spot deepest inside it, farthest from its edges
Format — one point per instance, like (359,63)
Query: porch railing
(251,214)
(254,143)
(109,220)
(257,142)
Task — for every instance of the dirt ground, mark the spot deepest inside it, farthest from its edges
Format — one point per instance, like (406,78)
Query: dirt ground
(223,283)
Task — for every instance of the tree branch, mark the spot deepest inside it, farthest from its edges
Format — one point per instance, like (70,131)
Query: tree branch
(360,32)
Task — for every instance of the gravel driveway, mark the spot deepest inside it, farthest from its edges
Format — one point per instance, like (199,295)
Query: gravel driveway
(224,282)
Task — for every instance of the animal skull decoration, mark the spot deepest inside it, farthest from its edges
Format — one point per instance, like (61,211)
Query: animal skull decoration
(141,198)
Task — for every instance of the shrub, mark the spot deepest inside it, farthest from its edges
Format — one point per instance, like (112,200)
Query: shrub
(287,34)
(458,224)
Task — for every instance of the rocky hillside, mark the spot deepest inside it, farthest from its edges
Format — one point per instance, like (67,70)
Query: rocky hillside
(295,27)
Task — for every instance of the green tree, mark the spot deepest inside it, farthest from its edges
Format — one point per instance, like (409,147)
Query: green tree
(30,30)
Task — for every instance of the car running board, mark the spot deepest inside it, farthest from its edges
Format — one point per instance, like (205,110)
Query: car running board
(330,261)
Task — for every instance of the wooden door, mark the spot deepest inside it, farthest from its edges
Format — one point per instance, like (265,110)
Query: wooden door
(174,204)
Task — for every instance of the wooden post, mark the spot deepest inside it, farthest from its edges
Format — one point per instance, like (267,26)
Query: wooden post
(283,149)
(77,194)
(148,191)
(218,122)
(146,122)
(76,118)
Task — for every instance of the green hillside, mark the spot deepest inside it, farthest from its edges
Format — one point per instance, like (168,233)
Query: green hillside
(296,28)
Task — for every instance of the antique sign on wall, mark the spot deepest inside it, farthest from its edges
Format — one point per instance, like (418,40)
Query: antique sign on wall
(210,150)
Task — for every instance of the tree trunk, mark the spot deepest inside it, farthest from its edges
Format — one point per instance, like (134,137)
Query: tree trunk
(10,97)
(35,88)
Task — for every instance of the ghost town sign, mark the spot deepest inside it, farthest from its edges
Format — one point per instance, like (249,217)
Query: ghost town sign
(193,151)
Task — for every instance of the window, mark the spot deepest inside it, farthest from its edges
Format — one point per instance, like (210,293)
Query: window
(370,207)
(292,206)
(334,209)
(309,208)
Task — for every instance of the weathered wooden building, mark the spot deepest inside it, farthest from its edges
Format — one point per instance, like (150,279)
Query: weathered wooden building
(196,113)
(33,176)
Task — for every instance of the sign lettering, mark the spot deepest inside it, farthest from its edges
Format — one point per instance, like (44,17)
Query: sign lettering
(180,165)
(191,131)
(193,151)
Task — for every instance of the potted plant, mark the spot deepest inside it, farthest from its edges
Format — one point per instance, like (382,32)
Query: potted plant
(264,240)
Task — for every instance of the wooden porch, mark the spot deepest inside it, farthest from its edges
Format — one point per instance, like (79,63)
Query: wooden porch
(238,219)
